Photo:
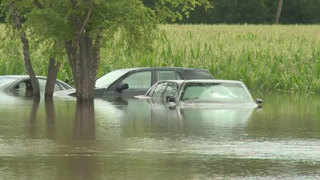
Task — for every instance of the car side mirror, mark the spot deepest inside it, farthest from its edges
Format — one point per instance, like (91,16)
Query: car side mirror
(259,102)
(122,87)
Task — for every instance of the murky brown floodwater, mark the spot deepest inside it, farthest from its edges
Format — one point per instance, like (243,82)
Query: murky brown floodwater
(138,140)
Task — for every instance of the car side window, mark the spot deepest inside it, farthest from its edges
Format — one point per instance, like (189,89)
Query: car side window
(139,80)
(42,85)
(25,88)
(159,90)
(172,90)
(168,75)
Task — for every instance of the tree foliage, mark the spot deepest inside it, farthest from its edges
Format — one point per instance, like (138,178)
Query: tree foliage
(80,27)
(228,11)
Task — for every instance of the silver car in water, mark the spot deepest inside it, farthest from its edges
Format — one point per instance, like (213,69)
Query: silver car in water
(202,93)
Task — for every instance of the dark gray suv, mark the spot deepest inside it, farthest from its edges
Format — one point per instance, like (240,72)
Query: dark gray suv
(137,81)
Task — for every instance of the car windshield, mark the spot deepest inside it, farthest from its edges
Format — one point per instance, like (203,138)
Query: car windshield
(4,80)
(109,78)
(216,92)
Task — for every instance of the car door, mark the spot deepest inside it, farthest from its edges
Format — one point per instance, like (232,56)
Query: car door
(171,90)
(157,93)
(138,84)
(24,87)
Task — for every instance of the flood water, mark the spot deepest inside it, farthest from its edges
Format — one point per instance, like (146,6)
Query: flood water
(135,139)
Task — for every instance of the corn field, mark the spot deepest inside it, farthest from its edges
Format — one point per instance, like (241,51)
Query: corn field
(265,57)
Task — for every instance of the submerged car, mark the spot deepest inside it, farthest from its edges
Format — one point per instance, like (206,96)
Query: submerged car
(136,81)
(20,85)
(206,93)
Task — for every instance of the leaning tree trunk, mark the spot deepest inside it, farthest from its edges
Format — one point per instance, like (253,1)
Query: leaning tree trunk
(27,61)
(26,54)
(51,79)
(280,4)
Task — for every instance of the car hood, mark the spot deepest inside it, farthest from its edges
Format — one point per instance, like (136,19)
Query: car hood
(65,93)
(217,105)
(142,97)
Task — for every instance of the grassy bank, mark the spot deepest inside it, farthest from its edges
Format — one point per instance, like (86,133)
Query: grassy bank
(267,58)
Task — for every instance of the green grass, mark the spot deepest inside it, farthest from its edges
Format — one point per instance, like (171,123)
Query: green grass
(265,57)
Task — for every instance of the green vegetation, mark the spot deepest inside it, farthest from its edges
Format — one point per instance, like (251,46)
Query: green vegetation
(285,58)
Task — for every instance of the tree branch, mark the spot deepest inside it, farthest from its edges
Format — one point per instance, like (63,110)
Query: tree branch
(87,18)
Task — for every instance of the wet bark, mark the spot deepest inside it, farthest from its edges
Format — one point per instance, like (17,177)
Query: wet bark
(87,69)
(51,79)
(26,55)
(84,57)
(278,15)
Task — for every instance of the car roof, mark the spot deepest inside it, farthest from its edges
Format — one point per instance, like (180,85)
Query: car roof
(203,81)
(12,76)
(21,77)
(162,68)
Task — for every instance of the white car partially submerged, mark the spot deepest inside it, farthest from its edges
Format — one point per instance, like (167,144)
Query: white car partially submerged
(204,93)
(20,85)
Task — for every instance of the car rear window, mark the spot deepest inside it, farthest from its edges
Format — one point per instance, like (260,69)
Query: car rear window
(167,75)
(197,75)
(5,80)
(215,92)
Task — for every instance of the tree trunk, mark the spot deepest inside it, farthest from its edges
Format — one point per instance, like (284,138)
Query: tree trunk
(84,59)
(278,15)
(84,67)
(51,79)
(27,61)
(84,56)
(26,55)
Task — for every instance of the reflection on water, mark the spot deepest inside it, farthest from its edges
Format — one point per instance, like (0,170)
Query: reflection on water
(84,123)
(137,139)
(33,115)
(142,118)
(50,116)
